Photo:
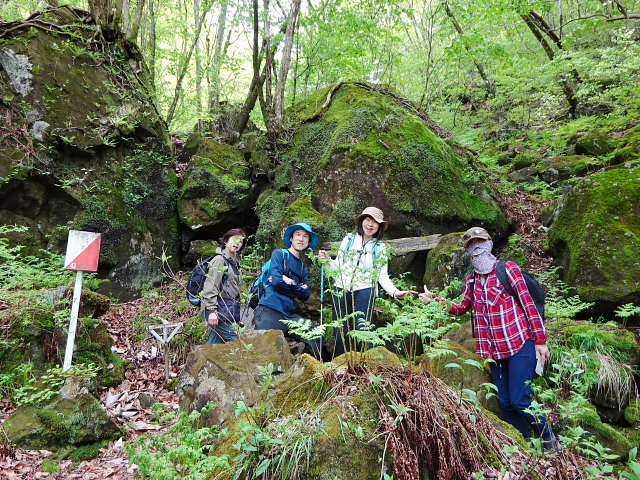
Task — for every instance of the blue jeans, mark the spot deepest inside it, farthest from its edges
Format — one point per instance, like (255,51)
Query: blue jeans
(223,333)
(345,303)
(512,376)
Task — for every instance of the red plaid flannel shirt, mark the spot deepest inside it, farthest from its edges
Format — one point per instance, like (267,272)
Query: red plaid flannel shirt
(501,327)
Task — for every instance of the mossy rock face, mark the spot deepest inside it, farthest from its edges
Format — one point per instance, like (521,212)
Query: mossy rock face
(596,238)
(102,153)
(448,261)
(217,187)
(607,337)
(629,149)
(606,435)
(596,142)
(632,413)
(366,148)
(564,167)
(229,372)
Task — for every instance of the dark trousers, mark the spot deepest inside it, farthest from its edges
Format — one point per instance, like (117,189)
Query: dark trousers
(345,304)
(266,318)
(224,332)
(512,376)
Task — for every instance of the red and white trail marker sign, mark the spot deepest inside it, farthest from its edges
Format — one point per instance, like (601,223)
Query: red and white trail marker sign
(83,252)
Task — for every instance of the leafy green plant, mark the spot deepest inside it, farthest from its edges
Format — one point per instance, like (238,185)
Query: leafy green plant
(183,452)
(39,392)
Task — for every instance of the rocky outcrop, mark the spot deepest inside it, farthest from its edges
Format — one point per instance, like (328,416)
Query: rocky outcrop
(596,238)
(231,372)
(351,146)
(85,147)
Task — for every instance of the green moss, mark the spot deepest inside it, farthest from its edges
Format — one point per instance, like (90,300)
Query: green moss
(603,338)
(596,236)
(632,413)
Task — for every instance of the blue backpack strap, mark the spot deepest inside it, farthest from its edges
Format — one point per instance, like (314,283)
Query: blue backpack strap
(350,242)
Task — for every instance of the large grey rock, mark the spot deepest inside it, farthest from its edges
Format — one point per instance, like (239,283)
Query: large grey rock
(227,373)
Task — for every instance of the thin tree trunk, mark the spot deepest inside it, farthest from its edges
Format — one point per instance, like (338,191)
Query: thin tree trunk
(219,52)
(196,14)
(285,64)
(135,25)
(539,28)
(489,84)
(185,64)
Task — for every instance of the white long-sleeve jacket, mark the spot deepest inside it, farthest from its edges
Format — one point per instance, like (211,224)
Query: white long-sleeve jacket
(355,269)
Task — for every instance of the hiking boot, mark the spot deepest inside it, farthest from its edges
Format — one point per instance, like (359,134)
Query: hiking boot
(551,445)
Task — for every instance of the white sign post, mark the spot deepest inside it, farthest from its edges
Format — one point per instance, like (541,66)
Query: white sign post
(168,332)
(83,251)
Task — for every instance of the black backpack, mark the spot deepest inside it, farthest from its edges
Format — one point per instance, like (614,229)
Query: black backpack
(535,289)
(198,276)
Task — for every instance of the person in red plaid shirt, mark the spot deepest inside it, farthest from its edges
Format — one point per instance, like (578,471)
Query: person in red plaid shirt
(514,339)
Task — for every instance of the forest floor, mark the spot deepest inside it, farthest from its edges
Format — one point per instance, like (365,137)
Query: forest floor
(146,378)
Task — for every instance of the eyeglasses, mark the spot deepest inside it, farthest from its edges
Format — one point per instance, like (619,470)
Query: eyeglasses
(477,231)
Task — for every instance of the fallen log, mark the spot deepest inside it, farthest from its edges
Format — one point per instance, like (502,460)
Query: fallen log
(403,246)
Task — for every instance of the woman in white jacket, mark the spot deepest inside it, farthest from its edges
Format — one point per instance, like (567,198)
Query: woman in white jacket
(361,264)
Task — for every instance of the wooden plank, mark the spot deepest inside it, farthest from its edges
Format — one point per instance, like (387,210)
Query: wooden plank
(403,246)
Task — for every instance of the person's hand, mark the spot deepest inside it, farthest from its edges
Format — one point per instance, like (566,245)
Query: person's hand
(322,254)
(213,319)
(426,296)
(403,293)
(287,280)
(542,352)
(304,285)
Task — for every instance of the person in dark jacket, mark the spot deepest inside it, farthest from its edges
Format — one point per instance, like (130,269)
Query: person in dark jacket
(220,303)
(289,280)
(513,336)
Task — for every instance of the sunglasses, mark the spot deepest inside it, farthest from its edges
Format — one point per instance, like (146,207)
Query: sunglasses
(477,231)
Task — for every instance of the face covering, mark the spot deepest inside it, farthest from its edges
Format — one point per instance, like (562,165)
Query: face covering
(483,260)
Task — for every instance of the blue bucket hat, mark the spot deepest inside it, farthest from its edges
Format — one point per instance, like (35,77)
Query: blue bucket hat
(288,233)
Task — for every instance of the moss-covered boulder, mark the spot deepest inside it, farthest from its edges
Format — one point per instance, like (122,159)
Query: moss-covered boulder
(353,145)
(73,418)
(564,167)
(447,262)
(594,143)
(606,435)
(217,187)
(596,238)
(85,147)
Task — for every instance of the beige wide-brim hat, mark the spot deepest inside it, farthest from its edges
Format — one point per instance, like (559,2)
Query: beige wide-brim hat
(475,232)
(374,213)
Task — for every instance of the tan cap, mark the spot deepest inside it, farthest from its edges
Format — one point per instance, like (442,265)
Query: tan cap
(475,232)
(374,213)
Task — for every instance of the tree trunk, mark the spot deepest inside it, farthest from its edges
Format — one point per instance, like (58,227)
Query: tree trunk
(135,25)
(196,14)
(540,28)
(285,64)
(214,79)
(489,85)
(182,71)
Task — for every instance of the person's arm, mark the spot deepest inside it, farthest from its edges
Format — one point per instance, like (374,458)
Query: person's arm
(212,287)
(289,285)
(517,282)
(456,308)
(384,280)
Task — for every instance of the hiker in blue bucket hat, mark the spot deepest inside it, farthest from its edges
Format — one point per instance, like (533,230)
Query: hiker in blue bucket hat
(289,280)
